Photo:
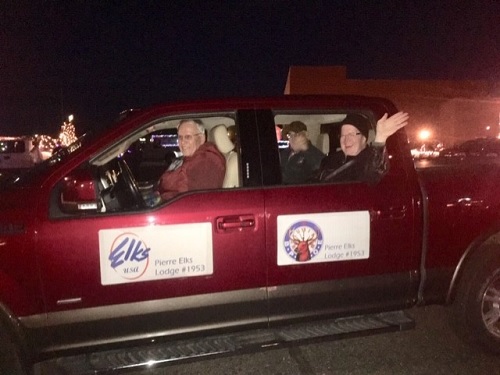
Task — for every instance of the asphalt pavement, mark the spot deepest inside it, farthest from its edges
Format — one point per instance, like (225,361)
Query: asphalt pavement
(431,348)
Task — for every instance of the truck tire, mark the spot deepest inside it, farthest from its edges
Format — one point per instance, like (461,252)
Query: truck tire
(10,358)
(476,310)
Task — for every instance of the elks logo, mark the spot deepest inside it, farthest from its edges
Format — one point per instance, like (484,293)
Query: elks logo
(129,256)
(303,241)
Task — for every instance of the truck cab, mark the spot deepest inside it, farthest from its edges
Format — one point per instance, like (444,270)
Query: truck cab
(97,266)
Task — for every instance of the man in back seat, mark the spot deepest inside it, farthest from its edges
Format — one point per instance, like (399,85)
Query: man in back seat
(358,161)
(301,159)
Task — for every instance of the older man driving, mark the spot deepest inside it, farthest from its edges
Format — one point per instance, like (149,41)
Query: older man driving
(201,166)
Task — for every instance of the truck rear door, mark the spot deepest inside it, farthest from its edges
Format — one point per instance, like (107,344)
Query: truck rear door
(335,248)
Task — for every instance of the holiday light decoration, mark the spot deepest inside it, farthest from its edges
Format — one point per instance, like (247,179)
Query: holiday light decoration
(68,133)
(46,142)
(48,145)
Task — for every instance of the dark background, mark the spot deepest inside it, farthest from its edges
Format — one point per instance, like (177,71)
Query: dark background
(96,58)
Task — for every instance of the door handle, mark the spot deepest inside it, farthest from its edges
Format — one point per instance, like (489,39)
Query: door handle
(234,222)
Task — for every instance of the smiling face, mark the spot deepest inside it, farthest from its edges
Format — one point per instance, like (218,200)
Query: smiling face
(352,142)
(190,138)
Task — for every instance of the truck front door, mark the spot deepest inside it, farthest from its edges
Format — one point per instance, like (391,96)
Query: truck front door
(194,263)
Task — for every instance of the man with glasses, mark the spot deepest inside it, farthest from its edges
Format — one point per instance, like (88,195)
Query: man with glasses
(301,159)
(201,166)
(358,161)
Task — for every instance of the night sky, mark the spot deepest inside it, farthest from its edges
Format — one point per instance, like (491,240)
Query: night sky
(94,59)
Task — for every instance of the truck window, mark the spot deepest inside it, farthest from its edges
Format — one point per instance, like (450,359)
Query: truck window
(127,175)
(305,140)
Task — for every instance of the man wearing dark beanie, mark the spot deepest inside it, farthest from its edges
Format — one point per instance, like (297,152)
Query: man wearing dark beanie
(358,161)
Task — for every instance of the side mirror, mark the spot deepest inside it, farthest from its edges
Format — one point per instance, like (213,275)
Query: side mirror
(79,193)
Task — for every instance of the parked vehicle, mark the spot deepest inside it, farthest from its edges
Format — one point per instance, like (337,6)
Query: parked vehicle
(86,267)
(15,155)
(474,149)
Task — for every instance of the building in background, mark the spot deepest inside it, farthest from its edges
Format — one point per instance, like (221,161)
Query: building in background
(452,111)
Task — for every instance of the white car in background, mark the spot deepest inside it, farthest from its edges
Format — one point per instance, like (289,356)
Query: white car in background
(15,152)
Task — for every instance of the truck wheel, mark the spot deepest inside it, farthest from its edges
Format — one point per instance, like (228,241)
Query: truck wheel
(476,310)
(10,359)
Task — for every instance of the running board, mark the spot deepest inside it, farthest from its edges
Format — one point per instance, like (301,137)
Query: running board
(225,344)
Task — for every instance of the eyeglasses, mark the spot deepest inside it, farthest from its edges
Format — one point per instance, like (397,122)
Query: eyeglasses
(292,135)
(349,135)
(187,137)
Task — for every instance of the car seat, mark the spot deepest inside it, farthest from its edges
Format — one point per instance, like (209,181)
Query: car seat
(220,137)
(323,143)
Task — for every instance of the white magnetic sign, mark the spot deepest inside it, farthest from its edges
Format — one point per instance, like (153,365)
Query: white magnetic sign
(324,237)
(129,255)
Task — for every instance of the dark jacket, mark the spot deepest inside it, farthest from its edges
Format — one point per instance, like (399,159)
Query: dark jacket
(205,169)
(370,165)
(300,167)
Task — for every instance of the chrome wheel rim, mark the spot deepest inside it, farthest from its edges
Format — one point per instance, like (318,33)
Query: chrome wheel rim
(490,308)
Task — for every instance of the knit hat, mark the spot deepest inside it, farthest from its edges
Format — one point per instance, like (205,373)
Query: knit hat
(359,122)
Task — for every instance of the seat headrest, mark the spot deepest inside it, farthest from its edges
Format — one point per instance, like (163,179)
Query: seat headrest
(371,136)
(324,143)
(221,139)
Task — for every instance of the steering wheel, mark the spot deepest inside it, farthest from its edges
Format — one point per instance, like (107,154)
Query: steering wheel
(129,180)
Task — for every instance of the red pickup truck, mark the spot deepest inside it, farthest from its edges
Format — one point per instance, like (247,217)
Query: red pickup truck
(89,267)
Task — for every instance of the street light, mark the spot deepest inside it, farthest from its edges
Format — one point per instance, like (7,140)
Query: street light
(424,134)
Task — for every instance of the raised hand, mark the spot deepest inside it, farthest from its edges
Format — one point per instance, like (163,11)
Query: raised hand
(387,126)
